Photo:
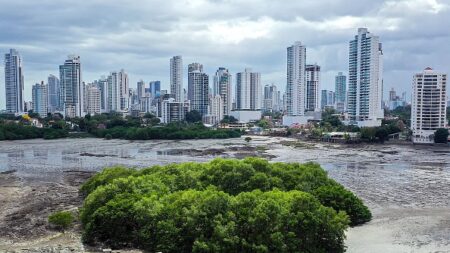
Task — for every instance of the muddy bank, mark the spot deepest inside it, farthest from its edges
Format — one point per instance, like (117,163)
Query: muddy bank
(406,187)
(25,206)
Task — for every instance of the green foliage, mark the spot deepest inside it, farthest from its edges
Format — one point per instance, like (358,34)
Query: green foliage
(169,132)
(263,123)
(403,113)
(330,117)
(106,177)
(248,139)
(193,117)
(227,119)
(340,199)
(62,219)
(441,135)
(225,205)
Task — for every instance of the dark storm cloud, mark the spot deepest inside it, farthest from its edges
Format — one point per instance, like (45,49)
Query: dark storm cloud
(141,36)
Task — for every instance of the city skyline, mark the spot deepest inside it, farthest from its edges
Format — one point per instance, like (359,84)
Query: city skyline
(231,38)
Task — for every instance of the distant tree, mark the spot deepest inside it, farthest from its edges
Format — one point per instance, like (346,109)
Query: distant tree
(382,134)
(368,133)
(193,116)
(149,116)
(248,139)
(263,123)
(228,119)
(441,135)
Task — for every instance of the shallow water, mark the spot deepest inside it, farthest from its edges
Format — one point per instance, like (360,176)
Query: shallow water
(406,187)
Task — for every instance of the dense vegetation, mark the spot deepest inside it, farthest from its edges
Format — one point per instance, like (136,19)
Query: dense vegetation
(169,132)
(14,131)
(441,135)
(107,126)
(225,205)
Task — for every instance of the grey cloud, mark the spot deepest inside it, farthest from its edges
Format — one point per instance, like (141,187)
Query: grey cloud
(141,36)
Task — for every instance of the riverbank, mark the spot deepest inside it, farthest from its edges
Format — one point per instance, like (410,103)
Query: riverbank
(406,187)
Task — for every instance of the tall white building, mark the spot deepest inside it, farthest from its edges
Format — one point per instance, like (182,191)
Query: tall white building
(173,111)
(118,91)
(14,82)
(215,110)
(428,110)
(40,99)
(296,80)
(93,95)
(176,78)
(248,90)
(198,88)
(365,83)
(312,87)
(72,87)
(222,87)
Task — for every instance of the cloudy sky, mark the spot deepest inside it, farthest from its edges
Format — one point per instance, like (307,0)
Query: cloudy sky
(141,36)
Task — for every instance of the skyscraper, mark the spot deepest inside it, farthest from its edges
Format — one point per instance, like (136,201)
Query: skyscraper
(176,78)
(140,89)
(222,87)
(340,91)
(93,100)
(102,85)
(271,98)
(296,86)
(54,94)
(71,87)
(40,99)
(198,88)
(14,83)
(312,87)
(428,110)
(327,99)
(248,90)
(365,84)
(118,91)
(155,89)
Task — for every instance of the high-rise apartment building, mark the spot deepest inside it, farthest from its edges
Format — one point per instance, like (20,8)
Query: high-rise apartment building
(365,83)
(72,87)
(40,99)
(173,111)
(222,87)
(312,73)
(215,110)
(103,87)
(248,90)
(118,91)
(271,101)
(54,94)
(198,88)
(327,99)
(176,78)
(428,110)
(93,98)
(340,87)
(296,80)
(14,82)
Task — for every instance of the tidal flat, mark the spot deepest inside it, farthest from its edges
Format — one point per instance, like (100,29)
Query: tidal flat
(406,187)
